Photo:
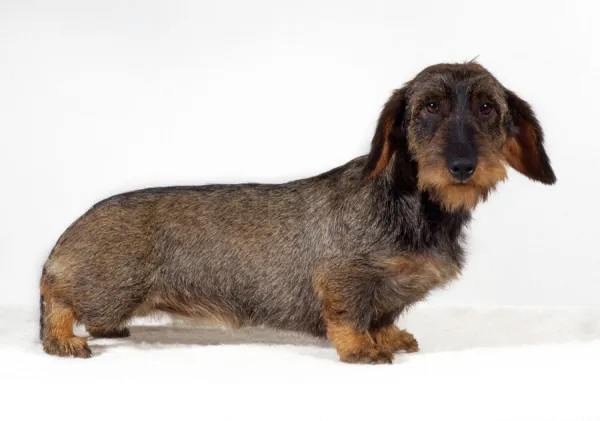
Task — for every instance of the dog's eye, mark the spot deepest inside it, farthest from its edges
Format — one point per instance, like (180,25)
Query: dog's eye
(432,107)
(486,109)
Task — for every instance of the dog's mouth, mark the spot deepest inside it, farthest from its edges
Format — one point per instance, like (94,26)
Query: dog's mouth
(464,187)
(452,194)
(456,194)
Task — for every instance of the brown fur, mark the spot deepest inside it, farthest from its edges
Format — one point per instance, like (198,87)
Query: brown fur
(419,274)
(386,154)
(522,157)
(100,332)
(339,255)
(435,179)
(356,347)
(58,332)
(392,339)
(423,268)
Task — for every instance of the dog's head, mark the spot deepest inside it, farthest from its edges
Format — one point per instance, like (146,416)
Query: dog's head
(453,128)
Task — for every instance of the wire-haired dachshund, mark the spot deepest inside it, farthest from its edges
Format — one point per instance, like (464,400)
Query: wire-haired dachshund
(340,255)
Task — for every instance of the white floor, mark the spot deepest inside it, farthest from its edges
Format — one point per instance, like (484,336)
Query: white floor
(475,364)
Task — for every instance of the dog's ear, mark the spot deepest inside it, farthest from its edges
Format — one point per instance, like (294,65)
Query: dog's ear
(384,144)
(524,148)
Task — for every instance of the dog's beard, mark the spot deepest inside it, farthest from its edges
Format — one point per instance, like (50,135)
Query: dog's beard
(460,196)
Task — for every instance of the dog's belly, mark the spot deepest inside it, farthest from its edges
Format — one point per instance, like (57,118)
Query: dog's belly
(239,298)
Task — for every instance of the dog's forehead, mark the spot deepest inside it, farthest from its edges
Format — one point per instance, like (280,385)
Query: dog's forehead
(445,79)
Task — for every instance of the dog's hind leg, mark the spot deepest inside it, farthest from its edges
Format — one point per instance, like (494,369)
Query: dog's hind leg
(106,312)
(101,332)
(57,331)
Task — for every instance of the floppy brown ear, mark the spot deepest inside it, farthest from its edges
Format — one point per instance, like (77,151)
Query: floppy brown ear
(524,148)
(382,145)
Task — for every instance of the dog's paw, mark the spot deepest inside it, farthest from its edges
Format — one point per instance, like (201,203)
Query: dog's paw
(73,347)
(393,339)
(410,343)
(371,355)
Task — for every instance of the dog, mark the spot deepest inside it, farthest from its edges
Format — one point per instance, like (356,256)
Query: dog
(338,255)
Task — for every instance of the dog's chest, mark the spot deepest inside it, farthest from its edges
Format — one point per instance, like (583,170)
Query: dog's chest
(431,253)
(422,271)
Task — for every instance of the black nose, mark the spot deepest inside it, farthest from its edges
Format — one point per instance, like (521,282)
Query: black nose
(462,168)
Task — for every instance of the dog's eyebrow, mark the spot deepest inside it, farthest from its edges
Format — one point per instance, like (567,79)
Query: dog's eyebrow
(442,81)
(436,84)
(479,85)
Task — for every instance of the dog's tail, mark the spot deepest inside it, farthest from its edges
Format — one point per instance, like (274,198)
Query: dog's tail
(42,305)
(42,311)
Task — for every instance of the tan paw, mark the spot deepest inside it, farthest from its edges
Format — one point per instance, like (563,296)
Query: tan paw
(370,355)
(393,339)
(72,347)
(410,343)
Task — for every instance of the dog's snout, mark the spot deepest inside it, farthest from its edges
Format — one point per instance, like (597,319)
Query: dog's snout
(462,167)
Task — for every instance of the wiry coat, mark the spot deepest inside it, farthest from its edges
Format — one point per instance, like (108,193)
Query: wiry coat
(340,254)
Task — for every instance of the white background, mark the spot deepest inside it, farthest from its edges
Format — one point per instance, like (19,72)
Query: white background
(101,97)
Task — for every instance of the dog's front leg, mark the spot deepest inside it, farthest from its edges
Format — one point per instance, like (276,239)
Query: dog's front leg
(354,346)
(348,311)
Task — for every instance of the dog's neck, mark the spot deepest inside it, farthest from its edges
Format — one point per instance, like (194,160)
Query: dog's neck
(430,224)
